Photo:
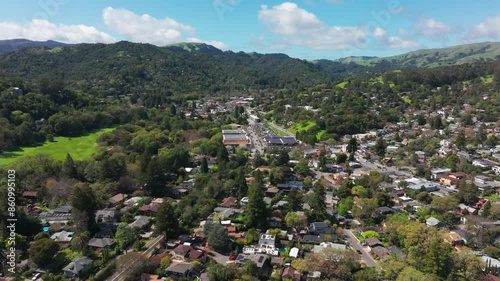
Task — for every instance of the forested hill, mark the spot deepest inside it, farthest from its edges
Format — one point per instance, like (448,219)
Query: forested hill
(486,51)
(14,45)
(126,67)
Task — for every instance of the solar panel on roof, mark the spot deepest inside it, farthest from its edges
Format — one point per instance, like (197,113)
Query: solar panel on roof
(261,259)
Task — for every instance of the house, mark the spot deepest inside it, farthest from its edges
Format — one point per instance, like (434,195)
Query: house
(117,199)
(156,259)
(291,273)
(181,252)
(373,242)
(437,173)
(62,210)
(319,248)
(294,252)
(313,275)
(62,236)
(106,215)
(150,277)
(100,243)
(78,267)
(380,252)
(149,209)
(229,202)
(266,240)
(259,259)
(179,269)
(432,221)
(30,195)
(139,222)
(320,228)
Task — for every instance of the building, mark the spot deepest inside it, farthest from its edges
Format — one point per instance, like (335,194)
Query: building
(267,240)
(179,269)
(234,137)
(78,267)
(117,199)
(62,236)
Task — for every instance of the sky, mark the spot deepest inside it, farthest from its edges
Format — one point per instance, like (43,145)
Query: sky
(307,29)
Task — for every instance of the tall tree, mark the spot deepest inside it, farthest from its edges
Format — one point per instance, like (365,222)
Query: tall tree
(318,204)
(204,165)
(69,168)
(294,199)
(84,205)
(166,220)
(256,211)
(42,251)
(380,147)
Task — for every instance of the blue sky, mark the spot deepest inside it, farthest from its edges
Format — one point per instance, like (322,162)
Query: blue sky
(308,29)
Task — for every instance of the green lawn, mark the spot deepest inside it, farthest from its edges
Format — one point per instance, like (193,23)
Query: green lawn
(303,125)
(320,134)
(493,197)
(79,148)
(406,99)
(341,84)
(487,79)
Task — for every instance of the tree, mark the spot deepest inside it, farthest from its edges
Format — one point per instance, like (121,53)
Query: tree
(166,220)
(256,211)
(68,167)
(365,210)
(84,205)
(295,220)
(334,263)
(352,145)
(218,272)
(460,140)
(424,197)
(380,147)
(217,237)
(318,206)
(341,158)
(302,167)
(80,241)
(204,165)
(468,265)
(345,205)
(467,193)
(444,204)
(367,274)
(166,262)
(42,251)
(125,235)
(294,199)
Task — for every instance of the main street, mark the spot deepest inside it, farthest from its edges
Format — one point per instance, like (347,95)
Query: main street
(354,242)
(150,249)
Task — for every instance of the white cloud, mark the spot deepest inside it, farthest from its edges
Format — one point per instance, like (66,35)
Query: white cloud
(489,28)
(393,42)
(145,28)
(298,27)
(431,27)
(41,30)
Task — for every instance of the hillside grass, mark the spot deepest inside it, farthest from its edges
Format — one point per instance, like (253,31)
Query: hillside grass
(341,84)
(79,148)
(303,125)
(277,132)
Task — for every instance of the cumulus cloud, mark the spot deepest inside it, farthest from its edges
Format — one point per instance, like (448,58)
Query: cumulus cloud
(489,28)
(298,27)
(431,27)
(41,30)
(145,28)
(393,42)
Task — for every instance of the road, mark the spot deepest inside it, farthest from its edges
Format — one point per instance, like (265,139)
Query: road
(150,248)
(365,257)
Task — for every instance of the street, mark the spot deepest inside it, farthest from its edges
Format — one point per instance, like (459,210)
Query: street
(365,257)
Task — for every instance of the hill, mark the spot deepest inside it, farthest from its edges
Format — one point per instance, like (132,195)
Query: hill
(14,45)
(486,51)
(194,48)
(126,67)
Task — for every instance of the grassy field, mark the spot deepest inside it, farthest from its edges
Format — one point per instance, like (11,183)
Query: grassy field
(320,134)
(341,84)
(79,148)
(302,126)
(487,79)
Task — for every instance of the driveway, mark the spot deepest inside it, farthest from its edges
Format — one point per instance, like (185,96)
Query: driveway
(365,257)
